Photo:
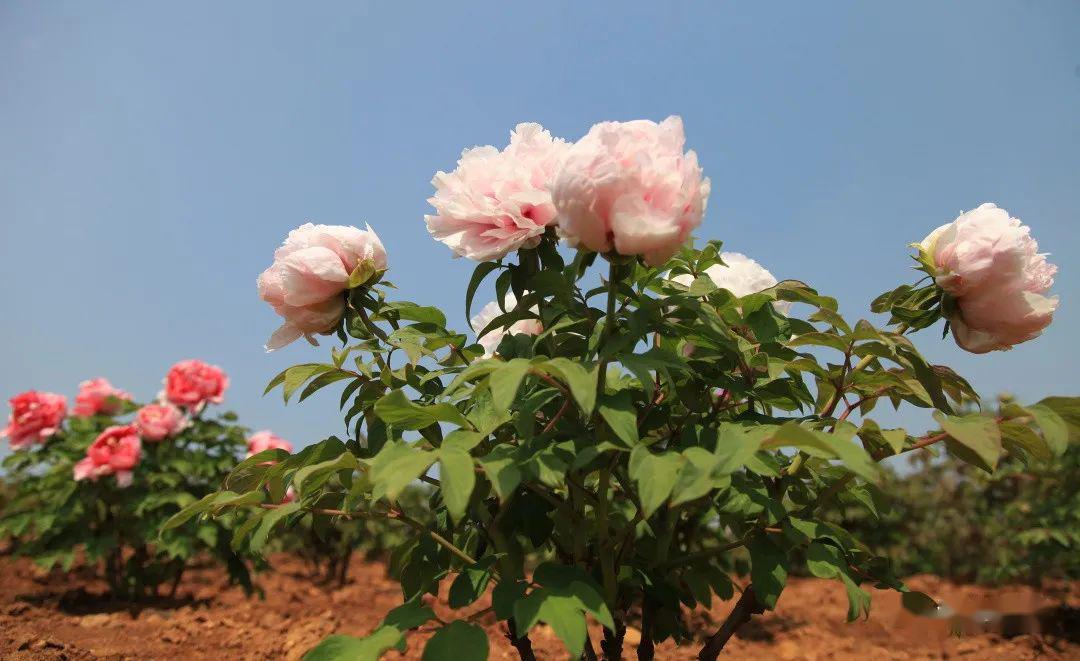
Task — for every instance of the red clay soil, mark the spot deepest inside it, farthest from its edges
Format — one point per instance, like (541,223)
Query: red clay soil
(62,616)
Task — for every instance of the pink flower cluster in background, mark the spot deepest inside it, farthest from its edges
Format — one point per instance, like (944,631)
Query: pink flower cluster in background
(190,385)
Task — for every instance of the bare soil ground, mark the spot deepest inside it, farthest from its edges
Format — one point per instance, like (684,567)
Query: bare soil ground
(63,616)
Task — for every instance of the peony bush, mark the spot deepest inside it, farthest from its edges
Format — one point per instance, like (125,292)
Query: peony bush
(96,483)
(638,418)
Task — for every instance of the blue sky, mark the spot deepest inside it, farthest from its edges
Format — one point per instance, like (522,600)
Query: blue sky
(153,155)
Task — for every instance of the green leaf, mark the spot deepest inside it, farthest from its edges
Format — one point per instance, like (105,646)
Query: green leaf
(858,599)
(919,603)
(618,412)
(824,560)
(457,641)
(297,375)
(350,648)
(323,380)
(409,615)
(768,570)
(697,477)
(1068,409)
(562,614)
(345,461)
(974,438)
(567,594)
(828,445)
(655,474)
(1016,435)
(396,465)
(267,523)
(503,469)
(479,273)
(581,381)
(457,478)
(1054,429)
(928,378)
(505,382)
(470,584)
(419,313)
(395,408)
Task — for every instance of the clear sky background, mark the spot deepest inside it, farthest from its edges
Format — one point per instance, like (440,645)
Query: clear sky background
(153,155)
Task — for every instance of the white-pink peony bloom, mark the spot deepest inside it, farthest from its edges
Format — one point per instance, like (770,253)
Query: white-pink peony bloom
(489,312)
(992,268)
(310,271)
(628,187)
(495,201)
(740,275)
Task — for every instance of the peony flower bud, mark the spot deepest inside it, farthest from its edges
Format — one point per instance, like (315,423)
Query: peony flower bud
(628,187)
(990,266)
(116,451)
(35,416)
(489,312)
(99,397)
(191,384)
(495,201)
(310,271)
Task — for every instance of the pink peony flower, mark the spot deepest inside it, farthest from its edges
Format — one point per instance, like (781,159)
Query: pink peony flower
(489,312)
(266,440)
(740,275)
(35,416)
(628,186)
(99,397)
(310,272)
(495,201)
(192,383)
(156,422)
(116,451)
(989,264)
